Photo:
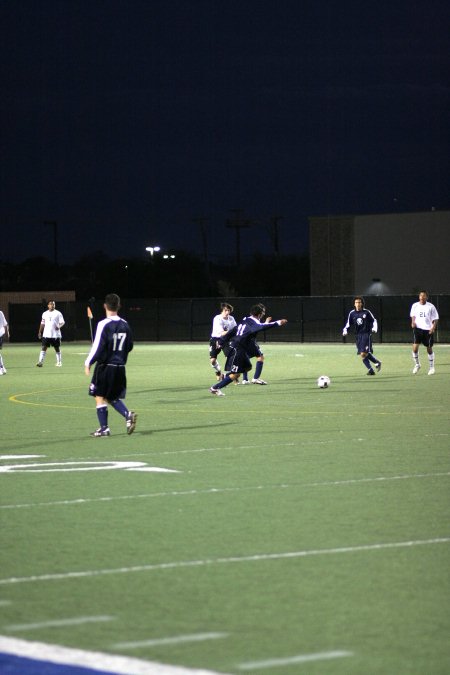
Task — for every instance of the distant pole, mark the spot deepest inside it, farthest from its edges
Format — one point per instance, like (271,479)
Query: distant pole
(54,225)
(237,223)
(201,222)
(274,232)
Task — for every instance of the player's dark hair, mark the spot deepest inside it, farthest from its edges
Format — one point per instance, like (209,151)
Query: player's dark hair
(359,297)
(225,305)
(112,302)
(426,293)
(257,310)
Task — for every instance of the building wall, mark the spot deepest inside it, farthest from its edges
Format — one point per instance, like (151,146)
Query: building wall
(30,297)
(407,252)
(380,254)
(331,255)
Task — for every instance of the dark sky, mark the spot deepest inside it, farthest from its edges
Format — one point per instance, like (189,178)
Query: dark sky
(125,120)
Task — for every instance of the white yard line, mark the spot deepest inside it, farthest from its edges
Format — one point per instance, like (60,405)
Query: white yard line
(290,660)
(59,623)
(259,557)
(97,661)
(184,493)
(175,640)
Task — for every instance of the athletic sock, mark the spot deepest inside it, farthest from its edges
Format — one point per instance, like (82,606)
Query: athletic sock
(102,414)
(120,407)
(1,362)
(216,367)
(223,383)
(431,360)
(415,358)
(258,370)
(58,357)
(371,357)
(245,377)
(42,356)
(367,363)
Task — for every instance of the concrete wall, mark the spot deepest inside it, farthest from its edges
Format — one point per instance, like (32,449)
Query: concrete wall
(380,254)
(407,252)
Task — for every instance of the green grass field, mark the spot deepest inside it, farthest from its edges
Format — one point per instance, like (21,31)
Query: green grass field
(299,530)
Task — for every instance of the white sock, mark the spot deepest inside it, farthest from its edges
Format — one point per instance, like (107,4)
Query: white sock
(216,366)
(416,357)
(431,360)
(58,357)
(42,356)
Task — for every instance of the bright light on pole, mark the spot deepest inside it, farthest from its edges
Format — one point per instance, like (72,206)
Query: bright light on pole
(152,250)
(167,257)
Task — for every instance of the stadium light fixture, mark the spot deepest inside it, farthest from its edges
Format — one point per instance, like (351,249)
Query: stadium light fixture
(152,250)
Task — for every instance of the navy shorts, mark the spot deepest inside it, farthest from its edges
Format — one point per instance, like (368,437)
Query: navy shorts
(237,361)
(423,337)
(253,349)
(363,343)
(108,381)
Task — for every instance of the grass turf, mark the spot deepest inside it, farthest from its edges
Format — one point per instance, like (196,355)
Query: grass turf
(353,481)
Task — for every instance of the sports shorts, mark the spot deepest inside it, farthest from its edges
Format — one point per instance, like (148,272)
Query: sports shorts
(238,361)
(51,342)
(423,336)
(108,381)
(363,343)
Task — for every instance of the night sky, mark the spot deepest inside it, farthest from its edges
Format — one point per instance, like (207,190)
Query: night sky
(124,121)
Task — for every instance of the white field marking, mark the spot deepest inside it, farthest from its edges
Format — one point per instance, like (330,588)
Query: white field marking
(176,640)
(2,457)
(289,660)
(187,493)
(259,557)
(43,467)
(97,661)
(59,623)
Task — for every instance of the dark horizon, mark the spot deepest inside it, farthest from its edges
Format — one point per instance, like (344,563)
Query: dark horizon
(125,124)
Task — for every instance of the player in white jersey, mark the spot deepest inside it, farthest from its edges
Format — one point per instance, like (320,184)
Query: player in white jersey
(50,333)
(222,323)
(424,318)
(4,328)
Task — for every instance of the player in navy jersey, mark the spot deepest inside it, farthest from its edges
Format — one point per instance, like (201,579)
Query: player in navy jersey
(112,343)
(255,351)
(240,342)
(364,324)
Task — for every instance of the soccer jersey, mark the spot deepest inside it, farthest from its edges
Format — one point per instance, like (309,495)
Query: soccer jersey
(112,344)
(362,321)
(424,315)
(52,321)
(243,335)
(221,324)
(3,324)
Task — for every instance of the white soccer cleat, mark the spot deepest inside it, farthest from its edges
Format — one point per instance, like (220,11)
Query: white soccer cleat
(416,368)
(431,371)
(257,380)
(216,392)
(58,365)
(245,382)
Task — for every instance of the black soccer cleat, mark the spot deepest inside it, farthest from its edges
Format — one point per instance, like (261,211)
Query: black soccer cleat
(371,372)
(378,366)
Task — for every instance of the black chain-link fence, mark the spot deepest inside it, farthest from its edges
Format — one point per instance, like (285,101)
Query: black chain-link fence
(310,319)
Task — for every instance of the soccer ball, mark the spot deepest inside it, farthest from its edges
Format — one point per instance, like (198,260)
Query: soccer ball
(323,382)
